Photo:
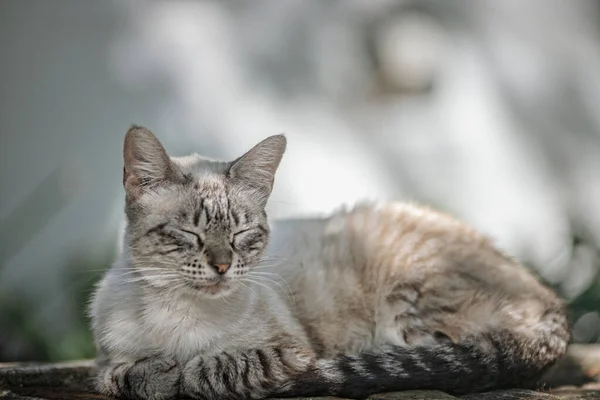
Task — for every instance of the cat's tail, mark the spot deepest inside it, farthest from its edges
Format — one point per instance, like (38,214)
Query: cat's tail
(501,359)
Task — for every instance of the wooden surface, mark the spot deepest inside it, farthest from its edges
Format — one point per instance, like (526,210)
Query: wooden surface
(577,376)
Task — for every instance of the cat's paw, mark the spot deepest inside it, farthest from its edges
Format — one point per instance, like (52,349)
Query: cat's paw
(152,378)
(155,378)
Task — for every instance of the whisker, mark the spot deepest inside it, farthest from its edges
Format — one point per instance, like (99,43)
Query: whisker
(118,268)
(265,266)
(270,264)
(265,274)
(224,298)
(289,294)
(141,271)
(291,300)
(176,287)
(150,261)
(242,280)
(261,284)
(149,277)
(267,257)
(125,273)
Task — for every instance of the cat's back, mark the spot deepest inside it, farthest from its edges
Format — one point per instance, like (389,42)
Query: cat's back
(387,241)
(390,238)
(357,274)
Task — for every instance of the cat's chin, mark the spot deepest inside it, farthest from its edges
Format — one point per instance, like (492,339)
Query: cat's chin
(218,289)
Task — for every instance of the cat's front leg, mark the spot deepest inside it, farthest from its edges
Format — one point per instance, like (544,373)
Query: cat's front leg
(150,378)
(243,374)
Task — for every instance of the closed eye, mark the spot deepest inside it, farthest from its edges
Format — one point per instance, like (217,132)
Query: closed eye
(171,250)
(198,238)
(250,241)
(240,232)
(234,236)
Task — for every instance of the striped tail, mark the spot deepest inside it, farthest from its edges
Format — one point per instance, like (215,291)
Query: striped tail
(496,361)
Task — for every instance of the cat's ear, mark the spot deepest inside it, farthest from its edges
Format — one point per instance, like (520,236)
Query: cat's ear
(254,172)
(146,163)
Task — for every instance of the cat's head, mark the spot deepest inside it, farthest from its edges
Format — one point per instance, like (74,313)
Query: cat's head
(194,224)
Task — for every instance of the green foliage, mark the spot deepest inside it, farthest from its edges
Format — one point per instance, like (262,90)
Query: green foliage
(22,336)
(81,275)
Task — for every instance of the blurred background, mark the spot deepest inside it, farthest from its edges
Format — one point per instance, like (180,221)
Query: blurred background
(489,110)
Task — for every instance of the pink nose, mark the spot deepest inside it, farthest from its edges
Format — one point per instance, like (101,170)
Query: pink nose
(221,268)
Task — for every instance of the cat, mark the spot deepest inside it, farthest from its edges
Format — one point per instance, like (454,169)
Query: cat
(210,302)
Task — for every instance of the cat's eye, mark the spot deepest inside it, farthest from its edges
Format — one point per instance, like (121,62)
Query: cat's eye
(197,236)
(235,234)
(172,249)
(247,239)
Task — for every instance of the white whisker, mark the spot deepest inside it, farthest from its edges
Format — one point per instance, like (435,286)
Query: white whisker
(289,293)
(265,285)
(266,275)
(242,280)
(151,277)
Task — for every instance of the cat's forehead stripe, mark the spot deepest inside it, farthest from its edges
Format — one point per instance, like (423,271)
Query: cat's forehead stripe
(216,209)
(210,184)
(197,214)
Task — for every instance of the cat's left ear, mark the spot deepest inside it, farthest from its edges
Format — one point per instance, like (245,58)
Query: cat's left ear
(254,172)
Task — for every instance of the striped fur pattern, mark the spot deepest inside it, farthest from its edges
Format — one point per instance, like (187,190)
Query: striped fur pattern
(144,378)
(498,360)
(208,301)
(245,373)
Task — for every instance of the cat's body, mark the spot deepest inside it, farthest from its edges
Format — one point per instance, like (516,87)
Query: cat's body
(396,274)
(377,298)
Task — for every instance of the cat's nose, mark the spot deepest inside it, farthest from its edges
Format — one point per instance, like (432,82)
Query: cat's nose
(219,257)
(221,268)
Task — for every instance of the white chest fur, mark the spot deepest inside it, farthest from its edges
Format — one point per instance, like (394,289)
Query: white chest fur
(178,329)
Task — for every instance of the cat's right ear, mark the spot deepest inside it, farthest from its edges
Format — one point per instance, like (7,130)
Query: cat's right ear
(146,163)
